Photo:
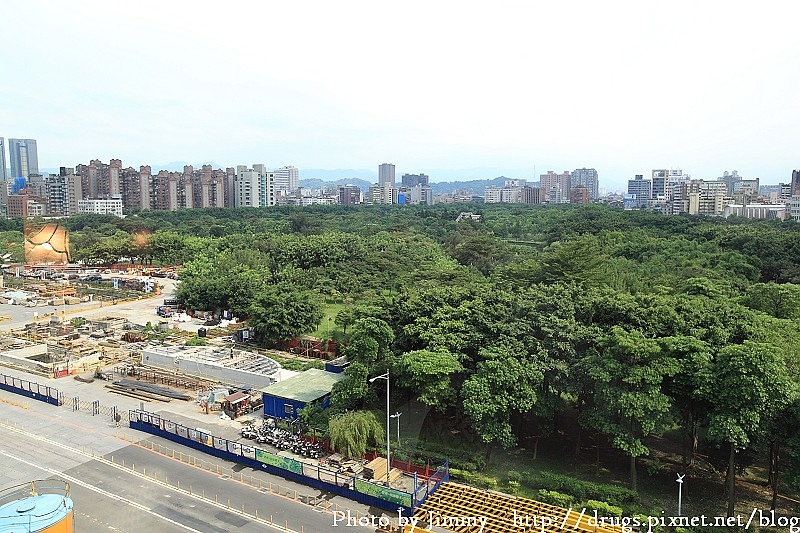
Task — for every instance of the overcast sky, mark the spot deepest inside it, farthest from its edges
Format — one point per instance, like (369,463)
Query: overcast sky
(519,88)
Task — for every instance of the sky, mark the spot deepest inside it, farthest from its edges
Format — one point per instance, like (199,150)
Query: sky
(468,89)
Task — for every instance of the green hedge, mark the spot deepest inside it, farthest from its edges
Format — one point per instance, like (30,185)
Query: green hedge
(603,509)
(473,478)
(556,498)
(581,490)
(514,475)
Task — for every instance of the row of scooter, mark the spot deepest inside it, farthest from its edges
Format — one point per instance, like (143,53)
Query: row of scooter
(283,440)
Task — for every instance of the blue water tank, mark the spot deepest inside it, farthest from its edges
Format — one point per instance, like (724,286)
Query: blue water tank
(39,513)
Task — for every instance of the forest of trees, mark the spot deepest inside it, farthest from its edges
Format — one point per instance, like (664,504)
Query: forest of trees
(631,323)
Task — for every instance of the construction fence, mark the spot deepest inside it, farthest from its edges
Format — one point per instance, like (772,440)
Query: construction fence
(42,393)
(344,484)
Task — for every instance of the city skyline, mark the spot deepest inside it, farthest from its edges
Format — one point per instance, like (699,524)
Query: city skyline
(516,88)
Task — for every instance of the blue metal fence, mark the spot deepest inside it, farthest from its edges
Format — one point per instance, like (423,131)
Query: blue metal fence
(42,393)
(315,476)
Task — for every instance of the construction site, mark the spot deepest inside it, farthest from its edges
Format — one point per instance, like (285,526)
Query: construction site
(56,348)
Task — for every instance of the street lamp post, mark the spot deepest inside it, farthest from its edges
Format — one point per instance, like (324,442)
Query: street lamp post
(388,457)
(680,491)
(397,416)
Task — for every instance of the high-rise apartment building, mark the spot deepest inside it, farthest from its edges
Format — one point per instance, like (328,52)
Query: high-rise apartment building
(696,197)
(210,188)
(579,195)
(74,193)
(795,182)
(254,187)
(555,187)
(56,190)
(3,175)
(23,157)
(145,187)
(729,178)
(287,179)
(349,194)
(386,174)
(586,177)
(510,192)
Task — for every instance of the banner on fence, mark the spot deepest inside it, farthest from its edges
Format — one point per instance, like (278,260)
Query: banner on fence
(287,463)
(384,493)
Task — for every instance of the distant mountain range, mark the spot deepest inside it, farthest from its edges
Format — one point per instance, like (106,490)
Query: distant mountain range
(318,179)
(446,187)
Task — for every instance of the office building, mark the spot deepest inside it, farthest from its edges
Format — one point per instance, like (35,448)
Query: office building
(382,194)
(639,188)
(412,180)
(349,194)
(23,157)
(386,175)
(419,194)
(3,175)
(287,179)
(658,184)
(530,195)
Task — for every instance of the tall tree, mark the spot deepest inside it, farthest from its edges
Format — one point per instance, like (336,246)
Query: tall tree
(282,312)
(749,383)
(688,385)
(429,375)
(780,301)
(629,402)
(504,383)
(370,339)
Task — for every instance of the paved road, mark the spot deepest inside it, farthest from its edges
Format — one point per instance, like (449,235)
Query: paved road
(108,496)
(58,442)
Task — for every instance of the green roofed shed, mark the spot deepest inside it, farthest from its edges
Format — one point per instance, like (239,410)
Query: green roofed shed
(286,398)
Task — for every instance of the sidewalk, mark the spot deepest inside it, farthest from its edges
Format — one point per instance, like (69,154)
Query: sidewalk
(87,393)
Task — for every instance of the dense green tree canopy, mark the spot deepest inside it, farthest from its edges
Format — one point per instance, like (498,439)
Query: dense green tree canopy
(631,321)
(281,312)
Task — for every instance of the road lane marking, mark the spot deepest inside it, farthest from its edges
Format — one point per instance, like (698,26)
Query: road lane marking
(76,481)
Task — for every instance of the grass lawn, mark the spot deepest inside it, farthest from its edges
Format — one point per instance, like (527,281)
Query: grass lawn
(327,328)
